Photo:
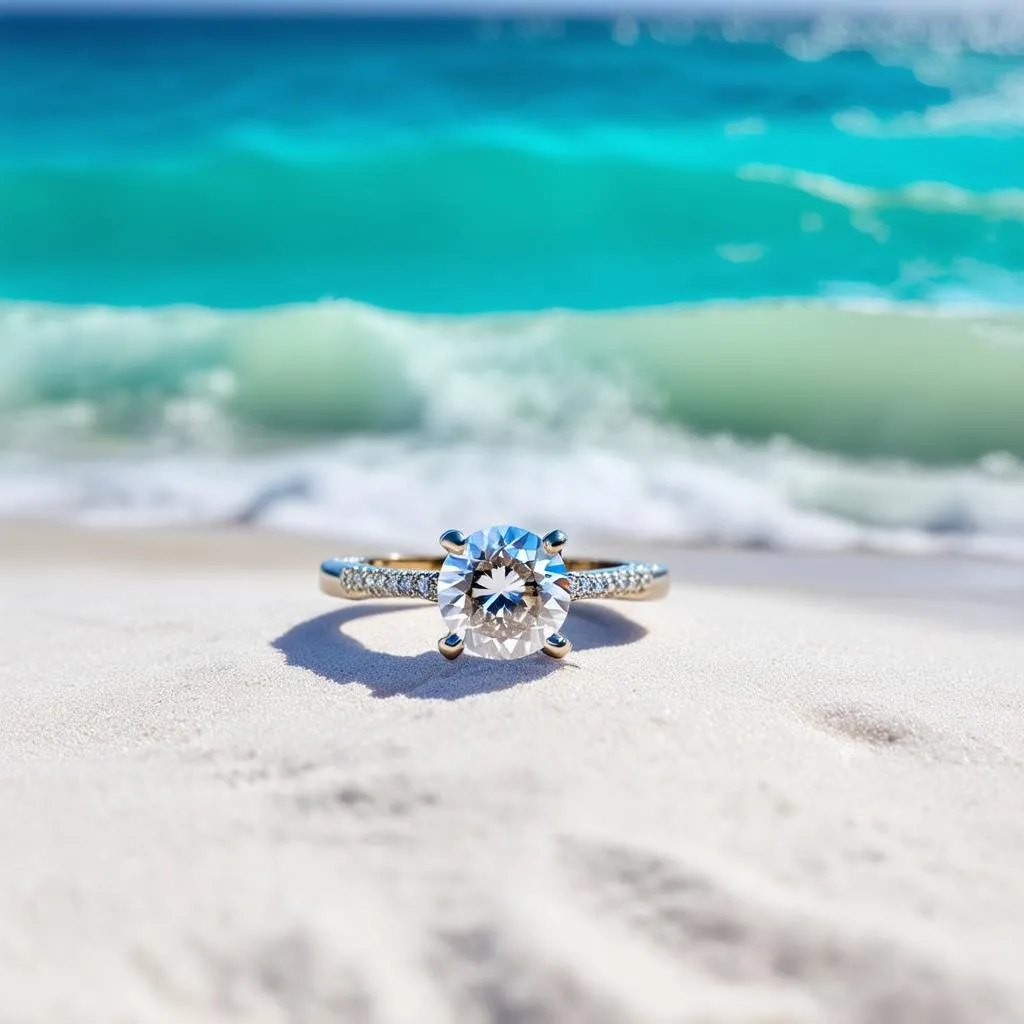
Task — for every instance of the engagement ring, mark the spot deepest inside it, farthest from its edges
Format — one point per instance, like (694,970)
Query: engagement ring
(503,592)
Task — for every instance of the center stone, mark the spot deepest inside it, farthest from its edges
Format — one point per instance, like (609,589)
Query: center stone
(505,595)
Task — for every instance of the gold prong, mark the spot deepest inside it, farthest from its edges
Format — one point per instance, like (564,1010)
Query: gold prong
(554,542)
(451,646)
(454,542)
(557,646)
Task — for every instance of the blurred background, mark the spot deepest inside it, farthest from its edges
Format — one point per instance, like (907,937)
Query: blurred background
(675,276)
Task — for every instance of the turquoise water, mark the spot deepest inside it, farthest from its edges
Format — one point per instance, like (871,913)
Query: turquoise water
(444,166)
(765,275)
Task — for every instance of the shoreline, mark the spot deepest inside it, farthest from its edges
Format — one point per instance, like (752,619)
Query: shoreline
(958,588)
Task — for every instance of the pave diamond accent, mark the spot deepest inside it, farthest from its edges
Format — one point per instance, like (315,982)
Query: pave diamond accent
(619,581)
(505,595)
(360,579)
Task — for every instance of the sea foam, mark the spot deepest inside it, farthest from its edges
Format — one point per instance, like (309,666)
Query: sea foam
(782,424)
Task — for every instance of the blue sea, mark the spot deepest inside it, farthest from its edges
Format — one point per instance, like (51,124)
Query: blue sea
(748,281)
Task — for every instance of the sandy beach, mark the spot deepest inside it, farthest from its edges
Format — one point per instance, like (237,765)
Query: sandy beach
(226,797)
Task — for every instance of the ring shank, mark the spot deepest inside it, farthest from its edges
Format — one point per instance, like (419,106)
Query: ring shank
(415,577)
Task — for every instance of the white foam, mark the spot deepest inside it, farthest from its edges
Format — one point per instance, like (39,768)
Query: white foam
(925,196)
(583,453)
(661,487)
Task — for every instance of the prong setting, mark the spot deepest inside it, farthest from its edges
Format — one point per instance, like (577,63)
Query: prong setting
(454,542)
(554,542)
(557,646)
(451,646)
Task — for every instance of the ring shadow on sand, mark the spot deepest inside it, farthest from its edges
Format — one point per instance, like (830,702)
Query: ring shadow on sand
(321,645)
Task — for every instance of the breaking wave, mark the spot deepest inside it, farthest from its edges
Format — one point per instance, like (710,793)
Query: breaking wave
(796,425)
(869,381)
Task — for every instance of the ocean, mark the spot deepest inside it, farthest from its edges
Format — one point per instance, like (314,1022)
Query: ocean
(754,282)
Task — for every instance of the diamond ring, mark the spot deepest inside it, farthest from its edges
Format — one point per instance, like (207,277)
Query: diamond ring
(503,592)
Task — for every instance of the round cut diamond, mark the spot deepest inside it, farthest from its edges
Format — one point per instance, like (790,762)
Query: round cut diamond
(505,595)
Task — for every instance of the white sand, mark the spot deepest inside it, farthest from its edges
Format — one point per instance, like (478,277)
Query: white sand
(225,797)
